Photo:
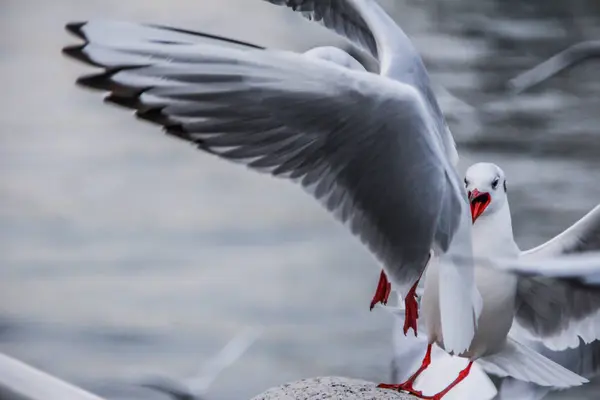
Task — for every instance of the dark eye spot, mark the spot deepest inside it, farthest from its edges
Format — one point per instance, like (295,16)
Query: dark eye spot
(466,182)
(495,183)
(504,186)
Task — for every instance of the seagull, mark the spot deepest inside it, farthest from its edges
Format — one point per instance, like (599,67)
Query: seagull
(542,304)
(373,148)
(565,59)
(196,387)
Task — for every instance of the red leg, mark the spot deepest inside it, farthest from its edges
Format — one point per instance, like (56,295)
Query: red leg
(461,376)
(384,287)
(411,309)
(408,385)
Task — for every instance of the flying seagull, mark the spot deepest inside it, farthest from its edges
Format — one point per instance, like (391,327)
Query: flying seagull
(373,148)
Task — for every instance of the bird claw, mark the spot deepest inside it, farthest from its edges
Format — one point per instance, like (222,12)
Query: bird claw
(382,294)
(402,387)
(411,310)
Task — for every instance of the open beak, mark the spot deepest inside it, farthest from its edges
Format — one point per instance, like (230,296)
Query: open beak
(479,202)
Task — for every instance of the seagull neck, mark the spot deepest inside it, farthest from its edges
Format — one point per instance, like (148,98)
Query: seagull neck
(493,234)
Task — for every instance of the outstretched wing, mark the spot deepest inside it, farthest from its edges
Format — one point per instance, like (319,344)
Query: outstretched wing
(581,237)
(558,312)
(363,145)
(558,298)
(340,16)
(368,26)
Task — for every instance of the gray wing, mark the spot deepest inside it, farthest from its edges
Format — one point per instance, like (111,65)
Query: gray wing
(340,16)
(336,56)
(363,145)
(558,298)
(366,24)
(555,64)
(581,237)
(559,311)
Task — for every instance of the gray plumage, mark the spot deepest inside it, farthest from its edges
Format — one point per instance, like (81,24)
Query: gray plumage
(360,143)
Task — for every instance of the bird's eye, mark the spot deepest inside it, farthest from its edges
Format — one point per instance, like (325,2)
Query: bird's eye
(466,182)
(495,183)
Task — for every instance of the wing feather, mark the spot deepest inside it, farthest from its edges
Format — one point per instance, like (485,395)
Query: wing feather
(356,141)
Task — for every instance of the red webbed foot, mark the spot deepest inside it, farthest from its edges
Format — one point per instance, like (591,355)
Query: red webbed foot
(382,294)
(408,385)
(402,387)
(411,310)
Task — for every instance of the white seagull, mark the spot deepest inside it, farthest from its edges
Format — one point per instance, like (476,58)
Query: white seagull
(557,312)
(546,317)
(373,148)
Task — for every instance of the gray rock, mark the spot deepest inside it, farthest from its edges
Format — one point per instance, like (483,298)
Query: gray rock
(331,387)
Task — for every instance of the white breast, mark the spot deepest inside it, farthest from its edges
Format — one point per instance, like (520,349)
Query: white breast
(491,238)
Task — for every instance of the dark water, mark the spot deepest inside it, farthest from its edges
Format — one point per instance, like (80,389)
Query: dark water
(124,252)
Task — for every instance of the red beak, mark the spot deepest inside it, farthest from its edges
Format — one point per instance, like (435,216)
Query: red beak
(479,202)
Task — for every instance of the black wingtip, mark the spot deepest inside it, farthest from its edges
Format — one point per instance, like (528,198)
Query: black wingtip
(96,81)
(76,52)
(75,28)
(154,115)
(131,102)
(177,130)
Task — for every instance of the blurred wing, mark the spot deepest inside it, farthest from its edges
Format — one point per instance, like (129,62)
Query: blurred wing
(558,299)
(196,387)
(169,387)
(511,388)
(361,144)
(565,59)
(581,237)
(226,357)
(367,25)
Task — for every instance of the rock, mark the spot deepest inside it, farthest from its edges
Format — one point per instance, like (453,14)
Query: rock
(331,387)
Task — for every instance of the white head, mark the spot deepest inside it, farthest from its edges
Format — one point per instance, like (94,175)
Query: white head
(486,185)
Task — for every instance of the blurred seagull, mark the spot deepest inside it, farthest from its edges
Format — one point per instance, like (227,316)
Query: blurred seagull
(567,58)
(374,148)
(196,387)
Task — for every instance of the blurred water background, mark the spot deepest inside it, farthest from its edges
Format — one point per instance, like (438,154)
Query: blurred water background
(124,252)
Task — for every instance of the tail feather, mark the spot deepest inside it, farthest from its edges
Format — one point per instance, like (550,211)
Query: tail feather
(514,389)
(525,364)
